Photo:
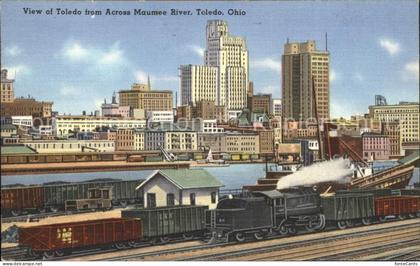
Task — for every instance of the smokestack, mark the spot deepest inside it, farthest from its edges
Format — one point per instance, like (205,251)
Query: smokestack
(326,41)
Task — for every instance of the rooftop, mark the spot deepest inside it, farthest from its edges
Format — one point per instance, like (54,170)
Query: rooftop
(15,150)
(187,178)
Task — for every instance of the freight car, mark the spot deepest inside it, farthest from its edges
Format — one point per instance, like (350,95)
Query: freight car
(136,227)
(53,196)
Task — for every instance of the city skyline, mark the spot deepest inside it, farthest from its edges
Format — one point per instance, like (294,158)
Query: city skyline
(56,60)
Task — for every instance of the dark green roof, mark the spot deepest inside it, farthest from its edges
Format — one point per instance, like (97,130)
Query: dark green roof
(188,178)
(410,158)
(8,126)
(15,150)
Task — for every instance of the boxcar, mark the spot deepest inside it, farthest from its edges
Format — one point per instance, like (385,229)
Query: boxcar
(65,236)
(14,200)
(163,222)
(153,159)
(346,208)
(397,206)
(245,156)
(123,192)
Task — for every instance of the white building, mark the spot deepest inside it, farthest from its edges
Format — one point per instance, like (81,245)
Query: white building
(171,187)
(70,146)
(160,116)
(277,107)
(65,125)
(19,120)
(224,76)
(210,126)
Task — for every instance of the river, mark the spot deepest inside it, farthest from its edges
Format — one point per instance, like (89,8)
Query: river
(234,176)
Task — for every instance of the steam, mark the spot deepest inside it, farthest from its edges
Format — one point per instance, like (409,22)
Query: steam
(335,170)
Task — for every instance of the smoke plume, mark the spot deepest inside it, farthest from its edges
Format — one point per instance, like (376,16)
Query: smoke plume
(337,170)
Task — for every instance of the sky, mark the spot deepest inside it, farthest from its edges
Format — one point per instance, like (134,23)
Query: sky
(78,60)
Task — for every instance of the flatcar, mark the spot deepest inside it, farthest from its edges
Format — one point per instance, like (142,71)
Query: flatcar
(135,227)
(53,196)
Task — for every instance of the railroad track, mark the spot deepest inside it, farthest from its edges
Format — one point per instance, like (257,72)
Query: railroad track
(277,251)
(14,254)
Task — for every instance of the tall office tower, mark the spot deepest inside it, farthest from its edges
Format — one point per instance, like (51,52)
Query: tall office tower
(301,62)
(225,66)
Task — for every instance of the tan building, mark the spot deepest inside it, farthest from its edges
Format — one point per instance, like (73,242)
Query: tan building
(26,107)
(198,83)
(266,141)
(242,143)
(7,92)
(184,112)
(214,141)
(260,103)
(209,110)
(125,139)
(141,97)
(406,113)
(301,62)
(70,146)
(224,78)
(181,140)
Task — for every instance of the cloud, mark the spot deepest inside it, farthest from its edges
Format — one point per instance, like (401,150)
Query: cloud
(267,63)
(392,47)
(411,70)
(75,52)
(197,49)
(17,70)
(68,90)
(334,75)
(358,77)
(113,56)
(13,50)
(141,77)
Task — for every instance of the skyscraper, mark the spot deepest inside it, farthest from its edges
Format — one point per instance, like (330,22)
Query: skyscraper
(224,76)
(301,62)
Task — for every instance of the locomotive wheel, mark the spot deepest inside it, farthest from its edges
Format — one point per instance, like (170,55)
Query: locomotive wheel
(366,221)
(119,245)
(35,254)
(341,225)
(16,212)
(164,239)
(283,230)
(259,235)
(48,254)
(59,253)
(292,230)
(187,236)
(240,237)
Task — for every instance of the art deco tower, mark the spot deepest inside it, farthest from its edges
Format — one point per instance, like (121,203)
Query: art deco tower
(301,62)
(224,76)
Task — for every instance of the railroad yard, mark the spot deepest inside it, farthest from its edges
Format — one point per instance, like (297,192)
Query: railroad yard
(394,240)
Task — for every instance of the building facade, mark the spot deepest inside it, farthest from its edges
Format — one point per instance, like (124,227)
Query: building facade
(375,147)
(406,113)
(266,141)
(242,143)
(7,92)
(214,141)
(26,107)
(392,131)
(184,140)
(300,63)
(277,107)
(125,139)
(65,125)
(198,83)
(141,97)
(260,103)
(160,116)
(70,146)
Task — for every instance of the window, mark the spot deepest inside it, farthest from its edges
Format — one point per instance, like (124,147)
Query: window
(151,200)
(170,199)
(213,197)
(192,199)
